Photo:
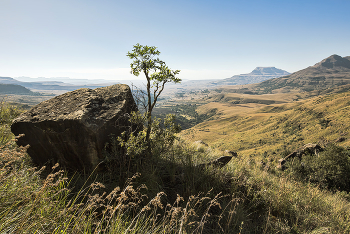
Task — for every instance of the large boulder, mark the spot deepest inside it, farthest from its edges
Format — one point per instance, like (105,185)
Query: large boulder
(73,128)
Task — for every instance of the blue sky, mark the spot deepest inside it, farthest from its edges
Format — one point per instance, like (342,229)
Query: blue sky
(204,39)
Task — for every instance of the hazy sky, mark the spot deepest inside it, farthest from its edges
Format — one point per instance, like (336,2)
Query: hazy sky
(202,38)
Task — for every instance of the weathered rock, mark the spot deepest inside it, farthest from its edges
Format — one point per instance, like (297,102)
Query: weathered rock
(200,142)
(217,163)
(73,128)
(340,139)
(306,149)
(231,153)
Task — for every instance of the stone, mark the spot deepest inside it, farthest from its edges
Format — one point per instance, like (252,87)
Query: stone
(231,153)
(309,148)
(340,139)
(217,163)
(200,142)
(73,128)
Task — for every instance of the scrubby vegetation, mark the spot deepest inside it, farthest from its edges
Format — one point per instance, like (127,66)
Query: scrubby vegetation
(168,193)
(7,114)
(329,170)
(186,114)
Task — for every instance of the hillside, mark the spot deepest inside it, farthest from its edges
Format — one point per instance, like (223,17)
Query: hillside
(171,192)
(255,128)
(15,89)
(331,72)
(331,75)
(259,74)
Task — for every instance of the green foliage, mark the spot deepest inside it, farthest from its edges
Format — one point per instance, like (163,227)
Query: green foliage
(125,155)
(145,59)
(161,138)
(155,70)
(324,122)
(331,169)
(186,115)
(7,114)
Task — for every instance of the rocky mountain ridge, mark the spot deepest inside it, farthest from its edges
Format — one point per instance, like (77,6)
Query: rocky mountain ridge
(334,62)
(330,73)
(268,71)
(258,75)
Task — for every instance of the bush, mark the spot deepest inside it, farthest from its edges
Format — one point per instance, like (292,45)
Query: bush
(7,114)
(331,169)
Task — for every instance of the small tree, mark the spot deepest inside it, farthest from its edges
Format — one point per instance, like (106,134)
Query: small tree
(157,73)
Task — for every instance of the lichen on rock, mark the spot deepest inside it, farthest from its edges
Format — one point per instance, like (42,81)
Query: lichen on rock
(74,127)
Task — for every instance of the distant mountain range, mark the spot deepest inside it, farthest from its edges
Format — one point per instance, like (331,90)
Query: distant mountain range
(50,85)
(331,72)
(63,80)
(258,75)
(64,83)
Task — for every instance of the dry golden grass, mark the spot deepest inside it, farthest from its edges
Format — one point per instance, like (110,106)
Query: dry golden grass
(255,128)
(254,201)
(243,197)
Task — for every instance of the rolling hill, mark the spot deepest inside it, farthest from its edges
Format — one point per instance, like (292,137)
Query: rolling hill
(330,73)
(254,128)
(308,106)
(15,89)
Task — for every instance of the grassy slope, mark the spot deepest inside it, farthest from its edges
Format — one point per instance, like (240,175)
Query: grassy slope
(256,200)
(14,89)
(255,128)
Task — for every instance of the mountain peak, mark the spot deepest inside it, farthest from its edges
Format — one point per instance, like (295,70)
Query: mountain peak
(258,75)
(333,61)
(269,71)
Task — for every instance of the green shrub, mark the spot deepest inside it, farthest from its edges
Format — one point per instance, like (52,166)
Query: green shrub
(331,169)
(7,114)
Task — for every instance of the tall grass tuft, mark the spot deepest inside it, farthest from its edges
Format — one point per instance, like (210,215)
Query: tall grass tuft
(7,114)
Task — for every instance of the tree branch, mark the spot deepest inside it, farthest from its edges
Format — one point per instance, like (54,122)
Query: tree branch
(160,91)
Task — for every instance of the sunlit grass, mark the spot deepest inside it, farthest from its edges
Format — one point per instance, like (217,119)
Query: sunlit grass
(170,194)
(271,128)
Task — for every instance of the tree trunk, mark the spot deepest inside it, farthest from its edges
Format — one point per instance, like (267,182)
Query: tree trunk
(149,115)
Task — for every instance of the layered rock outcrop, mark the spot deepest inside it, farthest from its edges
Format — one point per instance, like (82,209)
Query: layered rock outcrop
(73,128)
